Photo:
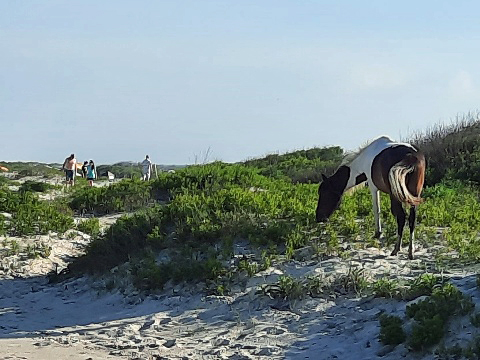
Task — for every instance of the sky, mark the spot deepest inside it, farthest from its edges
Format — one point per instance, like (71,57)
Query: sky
(194,81)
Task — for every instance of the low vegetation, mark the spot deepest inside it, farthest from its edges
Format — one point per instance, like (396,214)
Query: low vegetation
(35,186)
(391,330)
(210,207)
(90,226)
(127,195)
(33,169)
(302,166)
(29,215)
(431,316)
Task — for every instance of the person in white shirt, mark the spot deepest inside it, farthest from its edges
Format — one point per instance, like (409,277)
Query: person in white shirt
(146,168)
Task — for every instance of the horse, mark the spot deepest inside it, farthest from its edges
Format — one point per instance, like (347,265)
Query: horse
(394,168)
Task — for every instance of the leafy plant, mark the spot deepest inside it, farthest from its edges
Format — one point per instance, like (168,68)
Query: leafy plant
(38,250)
(385,287)
(432,313)
(89,226)
(355,280)
(35,186)
(391,330)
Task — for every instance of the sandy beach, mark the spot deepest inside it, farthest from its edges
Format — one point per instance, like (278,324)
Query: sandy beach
(80,319)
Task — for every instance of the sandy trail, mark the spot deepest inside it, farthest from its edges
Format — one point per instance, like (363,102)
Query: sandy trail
(25,349)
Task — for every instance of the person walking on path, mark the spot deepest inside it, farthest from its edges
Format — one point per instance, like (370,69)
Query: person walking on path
(146,168)
(70,167)
(91,172)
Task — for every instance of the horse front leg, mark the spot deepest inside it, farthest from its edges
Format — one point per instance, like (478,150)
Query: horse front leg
(411,223)
(376,211)
(399,213)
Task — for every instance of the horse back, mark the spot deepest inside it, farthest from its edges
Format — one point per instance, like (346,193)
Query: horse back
(383,162)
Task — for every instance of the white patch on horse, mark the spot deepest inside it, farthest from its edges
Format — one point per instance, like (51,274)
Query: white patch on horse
(361,161)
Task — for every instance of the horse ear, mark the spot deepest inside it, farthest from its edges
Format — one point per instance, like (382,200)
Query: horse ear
(324,177)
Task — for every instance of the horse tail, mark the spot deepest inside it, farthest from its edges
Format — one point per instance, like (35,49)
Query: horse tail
(398,179)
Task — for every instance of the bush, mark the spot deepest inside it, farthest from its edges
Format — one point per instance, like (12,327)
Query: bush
(432,313)
(385,288)
(35,186)
(391,330)
(89,226)
(302,166)
(148,275)
(452,151)
(126,195)
(127,237)
(32,216)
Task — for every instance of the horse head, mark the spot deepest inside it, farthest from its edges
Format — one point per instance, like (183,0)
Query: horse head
(329,196)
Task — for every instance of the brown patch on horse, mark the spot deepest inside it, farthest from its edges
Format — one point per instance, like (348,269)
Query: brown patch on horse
(410,165)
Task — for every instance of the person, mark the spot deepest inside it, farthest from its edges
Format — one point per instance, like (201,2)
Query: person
(84,169)
(70,168)
(91,172)
(146,168)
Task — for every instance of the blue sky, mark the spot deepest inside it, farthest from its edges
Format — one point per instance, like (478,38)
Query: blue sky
(115,80)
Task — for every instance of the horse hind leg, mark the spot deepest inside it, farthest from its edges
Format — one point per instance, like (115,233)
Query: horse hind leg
(376,211)
(399,213)
(411,223)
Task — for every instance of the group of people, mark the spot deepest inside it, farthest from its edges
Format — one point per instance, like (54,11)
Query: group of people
(88,170)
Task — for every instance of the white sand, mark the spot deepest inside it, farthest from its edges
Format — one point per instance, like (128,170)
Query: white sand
(78,319)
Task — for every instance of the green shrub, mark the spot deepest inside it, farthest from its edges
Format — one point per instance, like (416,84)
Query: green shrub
(427,332)
(451,151)
(385,288)
(289,288)
(148,275)
(4,180)
(353,281)
(302,166)
(89,226)
(32,169)
(14,248)
(32,216)
(126,195)
(35,186)
(3,226)
(38,250)
(391,330)
(422,285)
(127,237)
(432,313)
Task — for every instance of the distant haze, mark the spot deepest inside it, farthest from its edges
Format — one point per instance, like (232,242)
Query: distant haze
(187,81)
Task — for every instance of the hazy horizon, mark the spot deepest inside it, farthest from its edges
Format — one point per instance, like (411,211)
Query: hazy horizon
(114,81)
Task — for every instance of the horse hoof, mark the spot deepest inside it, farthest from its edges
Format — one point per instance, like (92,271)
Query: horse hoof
(410,256)
(378,235)
(394,252)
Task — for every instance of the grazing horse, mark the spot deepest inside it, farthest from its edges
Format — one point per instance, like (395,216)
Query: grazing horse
(394,168)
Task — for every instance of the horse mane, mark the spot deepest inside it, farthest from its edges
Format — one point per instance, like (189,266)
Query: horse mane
(351,155)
